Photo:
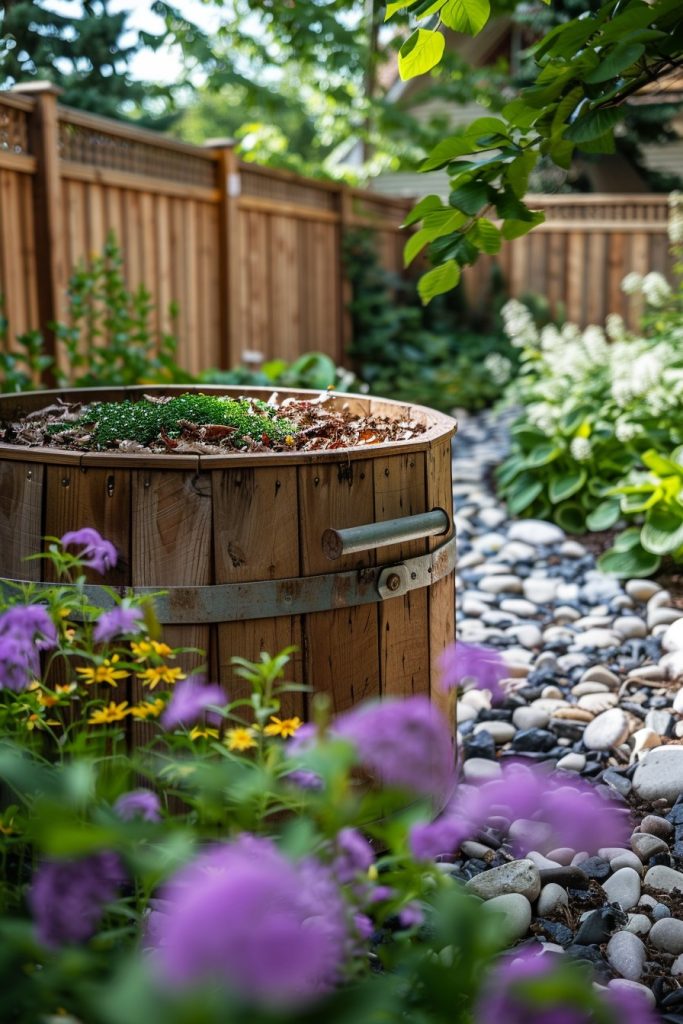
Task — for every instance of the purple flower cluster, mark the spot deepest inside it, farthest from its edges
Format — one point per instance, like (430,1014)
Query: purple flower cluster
(120,621)
(354,856)
(481,667)
(509,996)
(189,701)
(242,914)
(569,814)
(139,803)
(403,743)
(96,552)
(25,631)
(68,897)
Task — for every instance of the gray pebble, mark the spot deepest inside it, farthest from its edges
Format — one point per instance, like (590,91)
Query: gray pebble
(647,846)
(626,954)
(639,924)
(667,935)
(519,876)
(516,914)
(664,879)
(623,888)
(552,896)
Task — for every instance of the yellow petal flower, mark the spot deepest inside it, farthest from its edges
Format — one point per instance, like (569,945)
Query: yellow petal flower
(148,709)
(284,727)
(156,674)
(240,739)
(113,713)
(203,734)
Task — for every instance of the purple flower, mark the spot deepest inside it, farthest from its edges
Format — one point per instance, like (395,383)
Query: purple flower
(354,855)
(519,991)
(403,743)
(139,803)
(97,553)
(190,699)
(118,622)
(481,667)
(245,916)
(25,631)
(570,815)
(68,897)
(411,916)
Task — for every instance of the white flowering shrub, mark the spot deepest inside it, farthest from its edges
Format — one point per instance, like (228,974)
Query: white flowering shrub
(595,401)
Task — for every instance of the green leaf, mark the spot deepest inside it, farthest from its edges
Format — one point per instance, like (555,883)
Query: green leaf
(447,150)
(420,53)
(543,454)
(517,173)
(562,487)
(487,236)
(510,468)
(594,124)
(604,516)
(485,126)
(621,57)
(426,205)
(570,517)
(414,245)
(660,464)
(470,197)
(525,490)
(635,562)
(440,279)
(662,531)
(628,539)
(516,228)
(466,15)
(604,144)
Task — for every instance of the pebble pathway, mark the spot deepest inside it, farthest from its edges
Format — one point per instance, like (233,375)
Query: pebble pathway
(595,689)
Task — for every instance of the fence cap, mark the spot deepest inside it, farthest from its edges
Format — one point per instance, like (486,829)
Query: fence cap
(39,86)
(226,143)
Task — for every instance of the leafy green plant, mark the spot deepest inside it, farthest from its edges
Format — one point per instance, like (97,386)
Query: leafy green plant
(441,357)
(656,497)
(107,340)
(314,370)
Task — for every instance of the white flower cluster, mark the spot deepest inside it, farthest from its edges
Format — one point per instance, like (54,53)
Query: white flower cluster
(519,324)
(625,431)
(615,328)
(581,449)
(498,367)
(655,288)
(675,225)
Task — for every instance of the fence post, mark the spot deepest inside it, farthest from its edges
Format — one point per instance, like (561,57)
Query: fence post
(47,212)
(229,248)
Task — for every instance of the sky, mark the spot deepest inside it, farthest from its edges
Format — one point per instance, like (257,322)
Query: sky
(162,65)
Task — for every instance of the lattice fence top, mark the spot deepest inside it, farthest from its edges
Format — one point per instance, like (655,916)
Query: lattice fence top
(14,136)
(283,189)
(121,150)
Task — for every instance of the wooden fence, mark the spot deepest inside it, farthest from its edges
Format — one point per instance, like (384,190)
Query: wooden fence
(251,255)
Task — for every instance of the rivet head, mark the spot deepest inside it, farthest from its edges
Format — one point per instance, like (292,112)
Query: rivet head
(393,581)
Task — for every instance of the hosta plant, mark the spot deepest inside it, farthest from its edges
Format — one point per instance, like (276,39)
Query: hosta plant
(655,497)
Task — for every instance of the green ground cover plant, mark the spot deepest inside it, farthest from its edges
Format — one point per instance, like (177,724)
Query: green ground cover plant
(444,356)
(600,433)
(175,854)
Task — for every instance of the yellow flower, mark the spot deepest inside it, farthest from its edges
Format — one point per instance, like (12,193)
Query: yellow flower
(156,674)
(36,722)
(148,709)
(107,672)
(65,687)
(46,700)
(144,649)
(283,726)
(240,739)
(113,713)
(7,828)
(289,441)
(203,734)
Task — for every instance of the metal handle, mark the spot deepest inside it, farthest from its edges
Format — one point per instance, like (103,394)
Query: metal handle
(379,535)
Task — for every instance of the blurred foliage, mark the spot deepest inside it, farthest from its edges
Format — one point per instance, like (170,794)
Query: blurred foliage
(445,356)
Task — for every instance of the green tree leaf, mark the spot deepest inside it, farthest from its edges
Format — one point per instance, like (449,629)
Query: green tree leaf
(420,52)
(470,197)
(516,228)
(487,236)
(426,205)
(617,60)
(594,124)
(440,279)
(466,15)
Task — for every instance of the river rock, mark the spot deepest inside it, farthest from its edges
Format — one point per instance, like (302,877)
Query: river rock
(596,637)
(664,879)
(660,774)
(572,762)
(502,732)
(646,846)
(626,954)
(607,730)
(519,876)
(623,888)
(667,935)
(630,627)
(634,988)
(654,825)
(530,718)
(639,924)
(536,532)
(477,770)
(641,590)
(539,589)
(673,637)
(518,606)
(516,911)
(503,584)
(600,674)
(552,896)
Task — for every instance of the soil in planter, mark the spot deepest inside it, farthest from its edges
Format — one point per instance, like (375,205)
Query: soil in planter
(204,424)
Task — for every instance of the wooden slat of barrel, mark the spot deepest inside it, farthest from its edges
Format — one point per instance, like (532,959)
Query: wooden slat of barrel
(78,497)
(171,545)
(256,537)
(21,518)
(340,646)
(400,490)
(441,599)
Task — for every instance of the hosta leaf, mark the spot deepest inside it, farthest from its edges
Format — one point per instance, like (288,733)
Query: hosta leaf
(635,562)
(420,53)
(562,487)
(440,279)
(522,494)
(543,454)
(628,539)
(662,531)
(570,517)
(604,516)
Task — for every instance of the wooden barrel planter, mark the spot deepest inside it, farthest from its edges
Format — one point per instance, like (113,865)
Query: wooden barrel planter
(261,551)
